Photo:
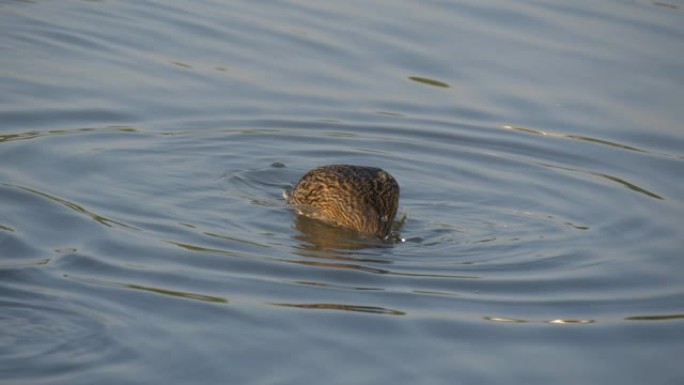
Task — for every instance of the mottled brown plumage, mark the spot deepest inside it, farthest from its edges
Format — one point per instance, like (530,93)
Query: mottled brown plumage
(361,198)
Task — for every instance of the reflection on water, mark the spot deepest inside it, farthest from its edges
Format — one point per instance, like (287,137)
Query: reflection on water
(354,308)
(553,321)
(663,317)
(76,131)
(337,265)
(665,5)
(316,235)
(428,81)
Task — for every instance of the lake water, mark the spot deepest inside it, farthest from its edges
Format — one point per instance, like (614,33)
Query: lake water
(145,145)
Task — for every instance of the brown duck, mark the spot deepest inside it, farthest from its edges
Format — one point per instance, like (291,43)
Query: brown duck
(360,198)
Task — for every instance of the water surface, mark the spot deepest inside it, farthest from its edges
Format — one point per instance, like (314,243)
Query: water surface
(145,147)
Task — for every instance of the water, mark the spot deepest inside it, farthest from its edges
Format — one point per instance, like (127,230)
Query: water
(145,147)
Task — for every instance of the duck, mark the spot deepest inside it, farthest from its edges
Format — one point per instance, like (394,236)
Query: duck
(361,198)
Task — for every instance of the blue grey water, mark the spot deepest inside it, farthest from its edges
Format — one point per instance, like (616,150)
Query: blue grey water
(145,145)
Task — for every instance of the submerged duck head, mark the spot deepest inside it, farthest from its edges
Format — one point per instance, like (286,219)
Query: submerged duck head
(364,199)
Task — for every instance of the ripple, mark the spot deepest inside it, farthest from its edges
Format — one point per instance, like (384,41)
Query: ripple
(571,136)
(258,186)
(611,178)
(156,290)
(351,308)
(73,206)
(42,330)
(54,339)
